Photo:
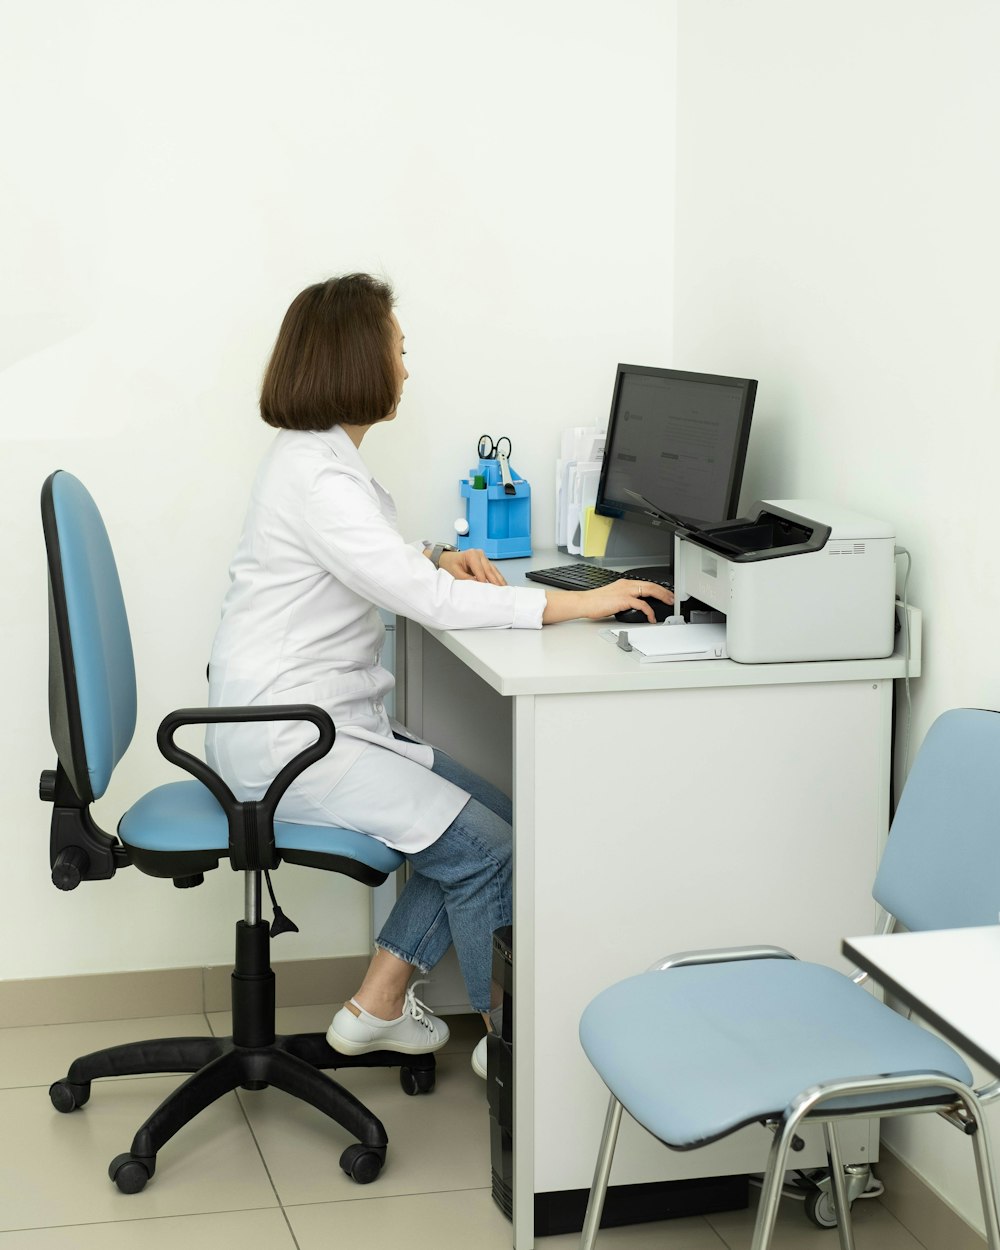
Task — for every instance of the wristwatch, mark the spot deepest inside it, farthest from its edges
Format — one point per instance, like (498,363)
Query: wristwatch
(437,550)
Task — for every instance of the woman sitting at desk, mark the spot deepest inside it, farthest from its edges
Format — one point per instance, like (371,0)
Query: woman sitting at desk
(319,554)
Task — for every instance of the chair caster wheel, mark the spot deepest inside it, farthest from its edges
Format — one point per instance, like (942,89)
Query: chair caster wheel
(420,1081)
(361,1163)
(129,1173)
(821,1209)
(66,1096)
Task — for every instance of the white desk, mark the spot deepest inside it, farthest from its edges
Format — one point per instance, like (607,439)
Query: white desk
(656,808)
(945,976)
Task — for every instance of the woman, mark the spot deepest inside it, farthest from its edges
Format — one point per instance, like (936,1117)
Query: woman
(319,554)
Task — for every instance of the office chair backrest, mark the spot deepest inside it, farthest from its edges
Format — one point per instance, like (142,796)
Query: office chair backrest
(91,669)
(941,867)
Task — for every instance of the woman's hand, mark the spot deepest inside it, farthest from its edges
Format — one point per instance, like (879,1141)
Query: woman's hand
(566,605)
(471,565)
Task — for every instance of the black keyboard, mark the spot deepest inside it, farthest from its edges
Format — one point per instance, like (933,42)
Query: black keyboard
(591,576)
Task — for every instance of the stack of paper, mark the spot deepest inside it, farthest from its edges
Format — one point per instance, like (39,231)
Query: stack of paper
(655,644)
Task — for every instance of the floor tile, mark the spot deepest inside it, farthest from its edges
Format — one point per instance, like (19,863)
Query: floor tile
(687,1234)
(464,1219)
(437,1141)
(466,1030)
(230,1230)
(42,1054)
(53,1168)
(874,1228)
(447,1221)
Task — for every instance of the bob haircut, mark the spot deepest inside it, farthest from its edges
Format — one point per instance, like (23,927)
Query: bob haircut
(334,359)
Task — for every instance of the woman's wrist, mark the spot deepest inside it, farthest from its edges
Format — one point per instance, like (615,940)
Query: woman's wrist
(562,605)
(434,551)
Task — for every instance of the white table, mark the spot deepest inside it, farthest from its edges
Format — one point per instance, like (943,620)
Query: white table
(945,975)
(656,808)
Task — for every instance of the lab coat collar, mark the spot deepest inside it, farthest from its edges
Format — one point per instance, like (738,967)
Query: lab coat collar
(342,446)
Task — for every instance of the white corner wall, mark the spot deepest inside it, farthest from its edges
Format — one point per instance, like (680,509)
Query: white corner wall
(172,176)
(838,196)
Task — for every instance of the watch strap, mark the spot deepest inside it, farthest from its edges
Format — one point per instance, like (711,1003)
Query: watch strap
(438,550)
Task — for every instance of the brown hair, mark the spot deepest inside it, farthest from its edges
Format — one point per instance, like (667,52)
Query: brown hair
(334,359)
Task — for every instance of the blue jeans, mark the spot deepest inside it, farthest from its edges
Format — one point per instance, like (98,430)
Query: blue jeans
(459,888)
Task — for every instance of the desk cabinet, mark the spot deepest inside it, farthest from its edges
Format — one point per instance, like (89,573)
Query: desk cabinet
(656,808)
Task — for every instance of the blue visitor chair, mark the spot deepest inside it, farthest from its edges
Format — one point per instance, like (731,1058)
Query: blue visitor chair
(180,831)
(716,1040)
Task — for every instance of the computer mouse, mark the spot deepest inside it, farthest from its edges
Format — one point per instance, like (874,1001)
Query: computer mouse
(632,616)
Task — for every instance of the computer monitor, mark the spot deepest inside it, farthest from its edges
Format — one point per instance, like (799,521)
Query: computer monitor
(679,440)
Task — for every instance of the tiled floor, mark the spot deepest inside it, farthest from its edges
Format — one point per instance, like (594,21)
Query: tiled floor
(261,1169)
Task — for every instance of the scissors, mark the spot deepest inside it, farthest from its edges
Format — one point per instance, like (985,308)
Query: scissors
(490,450)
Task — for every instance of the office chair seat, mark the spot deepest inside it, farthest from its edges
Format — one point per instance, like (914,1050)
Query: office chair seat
(185,816)
(740,1040)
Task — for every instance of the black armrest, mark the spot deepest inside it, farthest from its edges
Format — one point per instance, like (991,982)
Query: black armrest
(251,822)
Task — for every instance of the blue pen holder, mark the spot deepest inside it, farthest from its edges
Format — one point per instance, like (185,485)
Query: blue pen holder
(499,523)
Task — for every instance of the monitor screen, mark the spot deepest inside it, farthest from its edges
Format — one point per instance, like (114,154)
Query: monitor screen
(679,440)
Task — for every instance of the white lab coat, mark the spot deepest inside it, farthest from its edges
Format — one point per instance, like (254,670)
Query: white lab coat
(319,554)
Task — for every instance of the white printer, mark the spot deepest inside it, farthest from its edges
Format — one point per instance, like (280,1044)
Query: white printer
(797,579)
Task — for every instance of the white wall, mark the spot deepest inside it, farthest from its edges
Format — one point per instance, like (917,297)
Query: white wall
(173,175)
(837,201)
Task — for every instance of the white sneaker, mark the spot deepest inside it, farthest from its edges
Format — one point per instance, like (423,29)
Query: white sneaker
(416,1032)
(479,1059)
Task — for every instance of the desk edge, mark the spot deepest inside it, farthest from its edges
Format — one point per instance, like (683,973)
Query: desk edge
(963,1043)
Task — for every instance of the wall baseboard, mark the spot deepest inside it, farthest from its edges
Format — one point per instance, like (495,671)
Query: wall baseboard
(168,991)
(922,1212)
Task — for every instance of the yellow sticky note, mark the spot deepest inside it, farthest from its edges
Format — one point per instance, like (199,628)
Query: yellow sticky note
(595,532)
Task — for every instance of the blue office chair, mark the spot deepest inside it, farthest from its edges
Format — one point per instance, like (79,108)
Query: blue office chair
(182,830)
(707,1042)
